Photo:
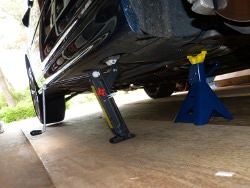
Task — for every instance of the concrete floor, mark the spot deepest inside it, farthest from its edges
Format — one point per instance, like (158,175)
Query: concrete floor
(76,152)
(19,164)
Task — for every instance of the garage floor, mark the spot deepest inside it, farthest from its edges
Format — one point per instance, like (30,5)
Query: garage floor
(76,153)
(19,163)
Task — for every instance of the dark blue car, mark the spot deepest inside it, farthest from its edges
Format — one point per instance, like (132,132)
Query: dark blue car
(147,40)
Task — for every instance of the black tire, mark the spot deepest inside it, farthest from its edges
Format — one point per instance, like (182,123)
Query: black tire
(159,91)
(55,106)
(55,109)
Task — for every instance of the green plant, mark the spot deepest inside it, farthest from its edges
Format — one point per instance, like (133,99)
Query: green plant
(24,106)
(21,111)
(21,96)
(83,98)
(3,103)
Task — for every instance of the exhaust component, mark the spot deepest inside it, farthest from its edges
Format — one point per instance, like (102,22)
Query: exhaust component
(233,10)
(204,7)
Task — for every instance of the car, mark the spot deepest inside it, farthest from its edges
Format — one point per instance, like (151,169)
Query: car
(148,42)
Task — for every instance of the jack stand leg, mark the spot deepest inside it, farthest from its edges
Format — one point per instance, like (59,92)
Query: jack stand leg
(201,102)
(101,85)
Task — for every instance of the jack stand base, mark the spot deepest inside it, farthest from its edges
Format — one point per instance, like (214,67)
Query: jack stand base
(117,138)
(201,102)
(199,105)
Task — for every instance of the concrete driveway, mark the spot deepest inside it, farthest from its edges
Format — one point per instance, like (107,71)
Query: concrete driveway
(76,152)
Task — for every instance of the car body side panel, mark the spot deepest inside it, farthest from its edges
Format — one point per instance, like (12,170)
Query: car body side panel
(125,33)
(148,36)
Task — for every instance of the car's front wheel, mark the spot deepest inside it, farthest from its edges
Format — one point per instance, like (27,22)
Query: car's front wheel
(160,90)
(55,105)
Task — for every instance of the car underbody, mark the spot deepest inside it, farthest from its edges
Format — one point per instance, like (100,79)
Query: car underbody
(77,46)
(150,41)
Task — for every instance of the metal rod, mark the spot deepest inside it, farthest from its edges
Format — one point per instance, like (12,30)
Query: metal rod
(44,108)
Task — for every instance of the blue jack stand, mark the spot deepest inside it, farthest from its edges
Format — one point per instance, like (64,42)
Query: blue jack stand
(201,102)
